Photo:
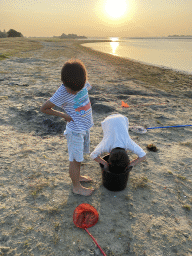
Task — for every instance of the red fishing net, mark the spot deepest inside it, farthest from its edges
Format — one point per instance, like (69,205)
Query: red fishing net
(85,216)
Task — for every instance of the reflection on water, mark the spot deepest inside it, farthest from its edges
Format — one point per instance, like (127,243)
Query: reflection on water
(114,46)
(170,53)
(114,39)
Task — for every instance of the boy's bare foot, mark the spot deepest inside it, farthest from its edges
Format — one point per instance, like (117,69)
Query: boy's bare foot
(83,191)
(85,178)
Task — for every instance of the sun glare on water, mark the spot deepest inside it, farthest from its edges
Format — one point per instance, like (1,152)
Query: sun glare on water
(116,8)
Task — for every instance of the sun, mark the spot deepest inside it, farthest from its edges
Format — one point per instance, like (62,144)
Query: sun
(116,8)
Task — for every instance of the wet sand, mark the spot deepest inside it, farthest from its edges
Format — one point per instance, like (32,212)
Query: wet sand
(152,216)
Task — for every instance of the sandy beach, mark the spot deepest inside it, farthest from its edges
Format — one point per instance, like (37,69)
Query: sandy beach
(152,216)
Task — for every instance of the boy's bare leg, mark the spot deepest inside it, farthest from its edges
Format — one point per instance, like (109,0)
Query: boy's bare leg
(74,173)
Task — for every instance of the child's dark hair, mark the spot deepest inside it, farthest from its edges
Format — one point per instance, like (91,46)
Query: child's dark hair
(74,75)
(118,158)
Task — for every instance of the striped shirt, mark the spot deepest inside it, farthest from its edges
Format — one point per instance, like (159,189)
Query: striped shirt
(77,106)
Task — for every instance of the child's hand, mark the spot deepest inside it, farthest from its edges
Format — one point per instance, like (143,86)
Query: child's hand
(47,108)
(137,161)
(67,118)
(105,165)
(102,161)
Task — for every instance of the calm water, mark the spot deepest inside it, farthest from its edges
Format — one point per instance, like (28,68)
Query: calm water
(170,53)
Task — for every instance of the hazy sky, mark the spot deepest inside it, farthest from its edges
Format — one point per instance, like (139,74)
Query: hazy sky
(97,17)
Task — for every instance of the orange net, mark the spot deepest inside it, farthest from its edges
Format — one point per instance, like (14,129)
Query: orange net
(85,216)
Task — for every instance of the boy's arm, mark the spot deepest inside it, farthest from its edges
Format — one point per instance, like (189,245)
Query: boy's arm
(47,108)
(101,161)
(137,160)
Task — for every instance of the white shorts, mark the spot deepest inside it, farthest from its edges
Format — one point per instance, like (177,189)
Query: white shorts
(78,144)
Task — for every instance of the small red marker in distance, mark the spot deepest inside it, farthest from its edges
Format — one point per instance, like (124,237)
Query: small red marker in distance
(125,105)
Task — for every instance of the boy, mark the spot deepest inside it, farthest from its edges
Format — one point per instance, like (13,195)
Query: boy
(73,97)
(115,137)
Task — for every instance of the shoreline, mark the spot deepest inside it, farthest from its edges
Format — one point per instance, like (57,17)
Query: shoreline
(165,79)
(139,61)
(145,63)
(134,60)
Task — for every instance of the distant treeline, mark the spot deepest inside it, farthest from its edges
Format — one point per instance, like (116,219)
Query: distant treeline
(10,33)
(71,36)
(180,36)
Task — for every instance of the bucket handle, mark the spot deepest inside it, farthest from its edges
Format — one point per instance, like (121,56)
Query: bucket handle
(129,168)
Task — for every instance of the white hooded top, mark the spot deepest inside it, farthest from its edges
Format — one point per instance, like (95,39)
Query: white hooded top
(115,134)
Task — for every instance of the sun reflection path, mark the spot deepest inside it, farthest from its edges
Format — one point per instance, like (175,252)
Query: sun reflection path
(114,45)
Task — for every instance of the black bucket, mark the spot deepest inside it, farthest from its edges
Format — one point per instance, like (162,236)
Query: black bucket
(115,181)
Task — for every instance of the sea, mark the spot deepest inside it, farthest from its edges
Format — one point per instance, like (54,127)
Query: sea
(171,53)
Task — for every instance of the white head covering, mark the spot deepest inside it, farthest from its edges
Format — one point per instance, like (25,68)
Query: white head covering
(115,131)
(115,134)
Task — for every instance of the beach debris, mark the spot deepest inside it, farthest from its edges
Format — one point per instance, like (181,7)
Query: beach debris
(137,129)
(152,147)
(124,105)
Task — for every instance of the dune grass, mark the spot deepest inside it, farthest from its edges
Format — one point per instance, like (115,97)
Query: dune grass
(10,47)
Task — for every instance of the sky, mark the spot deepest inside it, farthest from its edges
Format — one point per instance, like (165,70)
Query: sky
(97,18)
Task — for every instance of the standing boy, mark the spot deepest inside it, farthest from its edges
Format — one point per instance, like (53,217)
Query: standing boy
(73,97)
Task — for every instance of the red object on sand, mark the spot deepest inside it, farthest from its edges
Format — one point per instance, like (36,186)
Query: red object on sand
(86,216)
(125,105)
